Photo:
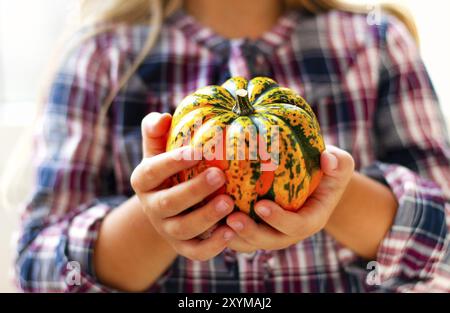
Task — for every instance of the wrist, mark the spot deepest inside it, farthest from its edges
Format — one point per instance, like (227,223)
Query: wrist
(336,215)
(363,216)
(129,254)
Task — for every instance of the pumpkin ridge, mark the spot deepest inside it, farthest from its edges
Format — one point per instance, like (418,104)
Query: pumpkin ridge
(241,173)
(312,156)
(233,84)
(282,107)
(225,119)
(287,125)
(187,122)
(295,176)
(199,102)
(229,94)
(287,96)
(254,99)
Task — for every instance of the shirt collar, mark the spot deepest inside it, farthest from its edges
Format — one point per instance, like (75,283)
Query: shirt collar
(274,38)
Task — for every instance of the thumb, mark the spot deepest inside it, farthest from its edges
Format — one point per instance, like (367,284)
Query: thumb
(337,166)
(155,127)
(336,163)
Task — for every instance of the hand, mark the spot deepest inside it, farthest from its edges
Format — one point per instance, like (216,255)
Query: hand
(165,205)
(286,227)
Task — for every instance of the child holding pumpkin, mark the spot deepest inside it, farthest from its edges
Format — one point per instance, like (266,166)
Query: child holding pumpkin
(384,194)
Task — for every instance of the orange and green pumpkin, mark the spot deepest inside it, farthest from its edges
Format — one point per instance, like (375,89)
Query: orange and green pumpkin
(223,114)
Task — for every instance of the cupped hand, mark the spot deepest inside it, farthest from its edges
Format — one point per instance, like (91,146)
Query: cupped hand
(165,205)
(285,228)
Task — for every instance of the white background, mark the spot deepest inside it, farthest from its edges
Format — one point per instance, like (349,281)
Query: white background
(30,28)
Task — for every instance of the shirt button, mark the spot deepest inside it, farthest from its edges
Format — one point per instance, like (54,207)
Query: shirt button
(271,262)
(249,256)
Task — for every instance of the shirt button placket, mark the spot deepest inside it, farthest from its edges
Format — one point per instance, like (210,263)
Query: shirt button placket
(249,256)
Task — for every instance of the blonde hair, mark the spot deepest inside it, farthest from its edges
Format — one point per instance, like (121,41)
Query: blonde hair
(104,15)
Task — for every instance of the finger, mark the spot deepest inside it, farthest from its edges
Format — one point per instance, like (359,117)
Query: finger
(203,250)
(337,165)
(193,224)
(239,244)
(257,235)
(299,224)
(172,201)
(328,162)
(318,208)
(154,128)
(312,217)
(151,172)
(336,162)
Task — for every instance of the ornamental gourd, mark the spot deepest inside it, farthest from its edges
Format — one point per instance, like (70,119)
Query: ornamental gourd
(269,137)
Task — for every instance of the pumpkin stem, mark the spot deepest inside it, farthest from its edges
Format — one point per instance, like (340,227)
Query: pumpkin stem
(242,106)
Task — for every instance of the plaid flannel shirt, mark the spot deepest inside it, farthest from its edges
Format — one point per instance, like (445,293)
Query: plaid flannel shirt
(370,91)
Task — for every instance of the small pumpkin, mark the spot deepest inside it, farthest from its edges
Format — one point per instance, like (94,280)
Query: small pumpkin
(222,114)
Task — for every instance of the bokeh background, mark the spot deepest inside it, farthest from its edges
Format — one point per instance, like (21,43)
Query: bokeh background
(30,29)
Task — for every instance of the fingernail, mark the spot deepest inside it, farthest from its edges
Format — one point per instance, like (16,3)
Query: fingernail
(214,178)
(164,115)
(332,161)
(222,206)
(228,235)
(152,122)
(264,211)
(237,226)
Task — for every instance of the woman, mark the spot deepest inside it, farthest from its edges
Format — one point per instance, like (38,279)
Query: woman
(385,192)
